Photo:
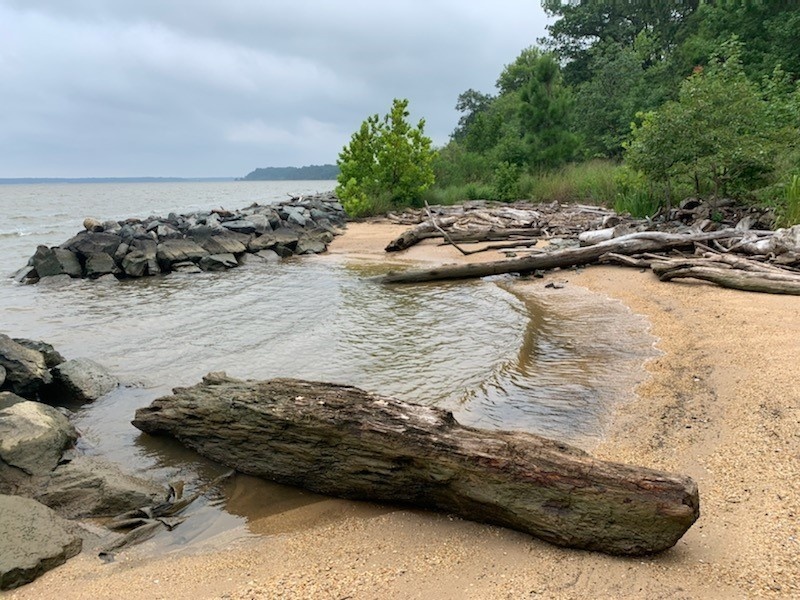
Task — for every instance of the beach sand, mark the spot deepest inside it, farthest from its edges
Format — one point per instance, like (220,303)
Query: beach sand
(721,404)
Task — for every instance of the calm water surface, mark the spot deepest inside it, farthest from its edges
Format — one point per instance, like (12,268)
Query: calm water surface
(502,353)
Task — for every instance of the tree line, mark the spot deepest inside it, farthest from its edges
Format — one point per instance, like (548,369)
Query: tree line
(652,101)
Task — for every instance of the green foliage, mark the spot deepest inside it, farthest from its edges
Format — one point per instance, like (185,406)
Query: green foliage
(790,211)
(387,163)
(505,181)
(720,133)
(633,195)
(590,182)
(308,173)
(545,115)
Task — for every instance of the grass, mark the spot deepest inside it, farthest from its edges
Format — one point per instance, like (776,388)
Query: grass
(591,182)
(791,211)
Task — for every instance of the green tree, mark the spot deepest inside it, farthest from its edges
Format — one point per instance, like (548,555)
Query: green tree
(720,134)
(545,114)
(387,163)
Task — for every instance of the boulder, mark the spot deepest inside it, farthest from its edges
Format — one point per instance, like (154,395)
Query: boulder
(80,380)
(222,244)
(26,369)
(310,245)
(90,487)
(26,275)
(262,242)
(88,243)
(33,540)
(240,226)
(33,435)
(186,266)
(268,255)
(2,375)
(93,225)
(218,262)
(172,251)
(135,264)
(56,281)
(55,261)
(261,222)
(100,264)
(51,356)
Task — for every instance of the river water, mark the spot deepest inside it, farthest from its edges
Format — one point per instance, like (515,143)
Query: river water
(500,353)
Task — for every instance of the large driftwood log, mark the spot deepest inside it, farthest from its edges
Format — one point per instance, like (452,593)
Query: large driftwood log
(342,441)
(634,243)
(751,280)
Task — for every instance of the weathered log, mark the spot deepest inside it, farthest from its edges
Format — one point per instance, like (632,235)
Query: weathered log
(342,441)
(734,278)
(634,243)
(418,233)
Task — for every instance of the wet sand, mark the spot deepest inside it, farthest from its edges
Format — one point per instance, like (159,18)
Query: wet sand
(722,404)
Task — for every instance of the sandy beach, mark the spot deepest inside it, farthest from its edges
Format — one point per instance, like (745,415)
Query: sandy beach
(721,404)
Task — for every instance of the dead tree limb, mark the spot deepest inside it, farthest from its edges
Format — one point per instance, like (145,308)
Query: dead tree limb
(738,279)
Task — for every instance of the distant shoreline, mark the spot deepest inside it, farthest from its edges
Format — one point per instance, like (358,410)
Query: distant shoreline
(19,180)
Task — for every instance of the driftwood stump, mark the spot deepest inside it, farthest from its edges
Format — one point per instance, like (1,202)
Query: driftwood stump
(342,441)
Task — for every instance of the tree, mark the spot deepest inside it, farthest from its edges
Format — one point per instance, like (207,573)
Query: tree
(387,162)
(545,115)
(720,134)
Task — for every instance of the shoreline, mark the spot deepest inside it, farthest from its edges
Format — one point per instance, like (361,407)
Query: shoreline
(720,404)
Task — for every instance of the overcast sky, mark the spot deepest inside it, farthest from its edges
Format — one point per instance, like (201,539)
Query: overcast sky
(202,88)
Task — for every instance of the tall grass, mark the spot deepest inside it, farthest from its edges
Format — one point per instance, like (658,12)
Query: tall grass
(591,182)
(791,210)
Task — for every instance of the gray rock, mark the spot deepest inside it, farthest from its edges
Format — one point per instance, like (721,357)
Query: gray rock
(262,242)
(122,250)
(285,236)
(2,375)
(295,216)
(33,540)
(240,226)
(261,222)
(33,435)
(172,251)
(222,244)
(186,267)
(26,369)
(310,245)
(283,251)
(90,487)
(135,264)
(218,262)
(112,226)
(51,356)
(26,275)
(268,255)
(55,281)
(55,261)
(165,231)
(107,280)
(81,380)
(100,264)
(87,243)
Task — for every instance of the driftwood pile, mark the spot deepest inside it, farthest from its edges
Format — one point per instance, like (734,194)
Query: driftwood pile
(734,256)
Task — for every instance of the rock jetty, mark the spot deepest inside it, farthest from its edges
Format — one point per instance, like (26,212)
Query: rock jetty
(213,240)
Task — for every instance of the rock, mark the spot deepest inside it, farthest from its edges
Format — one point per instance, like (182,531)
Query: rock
(135,264)
(107,280)
(26,369)
(81,380)
(55,261)
(268,255)
(93,225)
(222,244)
(186,266)
(100,264)
(55,281)
(32,435)
(172,251)
(218,262)
(51,356)
(2,375)
(283,251)
(261,222)
(295,216)
(240,226)
(90,487)
(310,245)
(27,275)
(165,231)
(261,242)
(87,243)
(33,540)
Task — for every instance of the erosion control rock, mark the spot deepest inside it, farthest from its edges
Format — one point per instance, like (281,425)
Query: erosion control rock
(26,369)
(81,380)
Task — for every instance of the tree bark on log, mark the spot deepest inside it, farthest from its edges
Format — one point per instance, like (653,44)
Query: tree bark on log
(342,441)
(634,243)
(738,279)
(416,234)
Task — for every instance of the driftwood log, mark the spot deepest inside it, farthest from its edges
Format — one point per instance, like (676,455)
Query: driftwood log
(342,441)
(634,243)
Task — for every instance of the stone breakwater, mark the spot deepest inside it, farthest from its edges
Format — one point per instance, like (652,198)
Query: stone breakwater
(212,240)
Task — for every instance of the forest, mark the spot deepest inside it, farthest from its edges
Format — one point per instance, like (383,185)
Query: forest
(636,105)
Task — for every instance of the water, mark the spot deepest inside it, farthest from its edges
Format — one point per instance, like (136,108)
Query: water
(501,354)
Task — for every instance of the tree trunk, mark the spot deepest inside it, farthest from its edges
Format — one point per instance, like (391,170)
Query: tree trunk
(342,441)
(735,278)
(634,243)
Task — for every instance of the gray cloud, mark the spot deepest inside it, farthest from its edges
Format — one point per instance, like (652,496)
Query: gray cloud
(206,88)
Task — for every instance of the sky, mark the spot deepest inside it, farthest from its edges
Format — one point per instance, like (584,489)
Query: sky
(208,88)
